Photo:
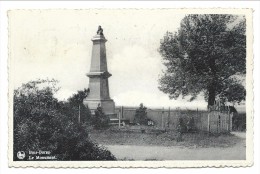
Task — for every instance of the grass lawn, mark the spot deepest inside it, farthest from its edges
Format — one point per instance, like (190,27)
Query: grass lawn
(115,136)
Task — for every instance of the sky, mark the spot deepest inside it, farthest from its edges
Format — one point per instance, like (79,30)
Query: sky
(57,44)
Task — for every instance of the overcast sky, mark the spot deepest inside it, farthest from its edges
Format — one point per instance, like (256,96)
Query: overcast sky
(57,44)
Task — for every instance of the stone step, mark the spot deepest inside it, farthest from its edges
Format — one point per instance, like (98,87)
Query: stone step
(115,124)
(114,119)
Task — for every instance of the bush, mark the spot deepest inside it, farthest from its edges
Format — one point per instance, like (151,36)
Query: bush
(141,115)
(41,123)
(75,145)
(100,120)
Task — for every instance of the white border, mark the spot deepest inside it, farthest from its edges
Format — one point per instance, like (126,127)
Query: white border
(24,5)
(156,164)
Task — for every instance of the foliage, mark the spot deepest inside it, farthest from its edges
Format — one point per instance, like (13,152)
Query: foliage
(203,56)
(40,123)
(234,91)
(141,115)
(78,98)
(239,122)
(75,107)
(100,120)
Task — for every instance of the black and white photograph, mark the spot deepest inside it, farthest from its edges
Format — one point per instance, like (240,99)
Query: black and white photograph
(130,87)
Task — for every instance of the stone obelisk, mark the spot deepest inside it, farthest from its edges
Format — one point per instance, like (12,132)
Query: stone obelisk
(98,77)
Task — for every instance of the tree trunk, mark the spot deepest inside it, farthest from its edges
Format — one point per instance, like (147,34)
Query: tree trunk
(212,95)
(212,85)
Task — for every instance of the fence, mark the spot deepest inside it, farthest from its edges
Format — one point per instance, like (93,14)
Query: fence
(215,121)
(239,122)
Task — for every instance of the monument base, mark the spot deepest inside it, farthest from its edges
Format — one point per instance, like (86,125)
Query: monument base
(108,106)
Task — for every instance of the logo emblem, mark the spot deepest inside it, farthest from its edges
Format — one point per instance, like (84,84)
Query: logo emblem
(21,155)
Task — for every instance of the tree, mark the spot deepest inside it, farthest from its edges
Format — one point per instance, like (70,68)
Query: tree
(40,123)
(204,56)
(100,120)
(75,107)
(141,115)
(34,116)
(77,99)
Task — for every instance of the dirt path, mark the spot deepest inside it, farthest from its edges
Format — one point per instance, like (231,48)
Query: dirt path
(132,152)
(241,135)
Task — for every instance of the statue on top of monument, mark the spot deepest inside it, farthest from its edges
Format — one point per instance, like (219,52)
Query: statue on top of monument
(100,30)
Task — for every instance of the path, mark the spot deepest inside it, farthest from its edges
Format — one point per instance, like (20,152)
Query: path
(132,152)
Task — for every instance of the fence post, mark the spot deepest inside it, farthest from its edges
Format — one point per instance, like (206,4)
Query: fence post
(119,118)
(225,122)
(219,124)
(169,115)
(199,124)
(208,122)
(122,112)
(162,118)
(229,120)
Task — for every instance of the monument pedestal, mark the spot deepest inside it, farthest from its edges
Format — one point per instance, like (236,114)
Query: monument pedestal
(108,106)
(98,77)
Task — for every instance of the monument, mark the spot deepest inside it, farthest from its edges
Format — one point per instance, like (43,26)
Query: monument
(98,77)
